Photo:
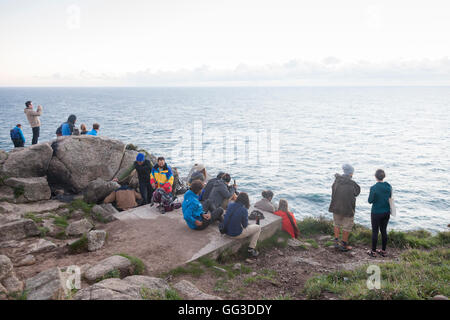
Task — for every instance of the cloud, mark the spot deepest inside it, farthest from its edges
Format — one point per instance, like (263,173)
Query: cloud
(328,71)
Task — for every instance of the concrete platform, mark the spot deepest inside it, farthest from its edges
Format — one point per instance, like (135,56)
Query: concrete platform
(209,242)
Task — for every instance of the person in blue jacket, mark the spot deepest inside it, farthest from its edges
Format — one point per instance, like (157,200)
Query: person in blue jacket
(67,128)
(381,211)
(94,131)
(17,136)
(193,213)
(236,222)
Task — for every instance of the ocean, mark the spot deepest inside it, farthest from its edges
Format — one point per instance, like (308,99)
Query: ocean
(291,140)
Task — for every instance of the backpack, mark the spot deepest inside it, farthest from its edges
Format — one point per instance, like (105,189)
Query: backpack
(14,134)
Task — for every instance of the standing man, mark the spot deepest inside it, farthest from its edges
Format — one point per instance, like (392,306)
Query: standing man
(343,200)
(34,120)
(162,176)
(143,168)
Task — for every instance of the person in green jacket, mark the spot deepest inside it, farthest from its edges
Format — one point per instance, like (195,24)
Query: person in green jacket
(381,211)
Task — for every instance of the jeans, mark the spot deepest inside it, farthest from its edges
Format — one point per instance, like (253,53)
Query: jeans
(18,143)
(146,192)
(215,215)
(379,223)
(36,131)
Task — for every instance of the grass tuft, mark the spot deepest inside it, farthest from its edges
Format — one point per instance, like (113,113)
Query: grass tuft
(79,246)
(138,265)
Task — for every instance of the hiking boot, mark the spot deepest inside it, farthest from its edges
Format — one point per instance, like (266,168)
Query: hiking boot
(252,252)
(336,243)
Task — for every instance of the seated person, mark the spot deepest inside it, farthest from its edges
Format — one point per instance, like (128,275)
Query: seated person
(198,172)
(221,193)
(236,223)
(94,131)
(288,222)
(67,128)
(17,136)
(125,198)
(265,204)
(83,129)
(161,176)
(209,186)
(194,214)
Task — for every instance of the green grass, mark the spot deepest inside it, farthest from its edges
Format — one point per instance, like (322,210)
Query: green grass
(18,191)
(60,221)
(79,246)
(194,269)
(19,295)
(418,275)
(33,216)
(313,243)
(109,275)
(79,204)
(138,265)
(363,235)
(43,231)
(61,235)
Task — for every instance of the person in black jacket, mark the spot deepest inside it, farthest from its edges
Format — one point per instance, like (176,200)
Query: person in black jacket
(143,168)
(221,193)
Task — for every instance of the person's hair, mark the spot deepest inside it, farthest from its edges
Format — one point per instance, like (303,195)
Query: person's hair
(18,125)
(243,199)
(96,126)
(220,175)
(380,174)
(226,177)
(27,104)
(161,158)
(83,127)
(72,118)
(196,186)
(283,205)
(267,194)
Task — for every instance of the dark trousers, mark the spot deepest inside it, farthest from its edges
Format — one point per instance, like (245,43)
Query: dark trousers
(379,223)
(18,143)
(146,191)
(36,131)
(215,215)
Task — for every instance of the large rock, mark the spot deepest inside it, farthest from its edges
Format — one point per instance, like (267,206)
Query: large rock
(28,260)
(47,285)
(6,266)
(119,263)
(6,194)
(42,246)
(130,288)
(12,284)
(34,189)
(79,160)
(98,190)
(96,239)
(28,162)
(78,228)
(104,212)
(18,230)
(189,291)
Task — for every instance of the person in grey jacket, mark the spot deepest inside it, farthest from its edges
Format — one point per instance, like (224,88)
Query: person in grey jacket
(343,200)
(221,193)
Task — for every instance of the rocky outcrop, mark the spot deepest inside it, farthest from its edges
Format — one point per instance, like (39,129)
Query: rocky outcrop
(42,246)
(130,288)
(98,190)
(190,292)
(79,160)
(96,240)
(27,162)
(119,263)
(78,228)
(17,230)
(31,189)
(9,283)
(104,212)
(47,285)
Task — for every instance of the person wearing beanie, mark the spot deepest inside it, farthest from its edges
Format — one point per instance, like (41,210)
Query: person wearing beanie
(343,200)
(143,168)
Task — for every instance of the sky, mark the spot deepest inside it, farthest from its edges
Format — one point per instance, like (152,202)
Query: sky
(212,42)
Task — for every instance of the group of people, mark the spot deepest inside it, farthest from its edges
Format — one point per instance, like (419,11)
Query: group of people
(343,202)
(33,116)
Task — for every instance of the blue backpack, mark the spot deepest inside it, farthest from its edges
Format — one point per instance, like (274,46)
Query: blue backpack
(14,133)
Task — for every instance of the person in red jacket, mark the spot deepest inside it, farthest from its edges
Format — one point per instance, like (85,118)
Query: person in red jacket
(288,222)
